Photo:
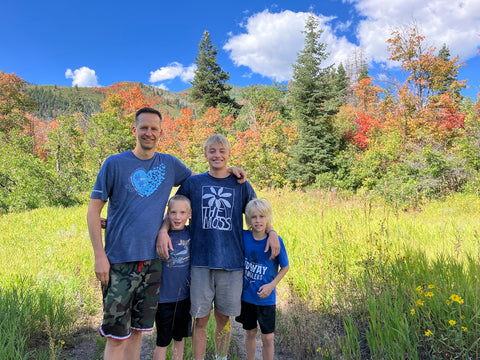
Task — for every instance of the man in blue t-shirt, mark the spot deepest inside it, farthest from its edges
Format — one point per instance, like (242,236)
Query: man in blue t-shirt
(136,185)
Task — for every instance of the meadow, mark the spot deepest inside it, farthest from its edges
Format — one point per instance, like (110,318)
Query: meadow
(366,280)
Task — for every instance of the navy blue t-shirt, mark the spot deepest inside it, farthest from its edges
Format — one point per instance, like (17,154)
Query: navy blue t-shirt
(217,220)
(175,285)
(137,191)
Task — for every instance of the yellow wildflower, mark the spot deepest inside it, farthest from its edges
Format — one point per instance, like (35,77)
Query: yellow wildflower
(429,294)
(419,303)
(419,289)
(452,322)
(464,328)
(431,286)
(428,332)
(448,302)
(412,311)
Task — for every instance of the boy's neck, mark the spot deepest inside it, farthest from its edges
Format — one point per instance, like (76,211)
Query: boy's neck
(259,235)
(219,173)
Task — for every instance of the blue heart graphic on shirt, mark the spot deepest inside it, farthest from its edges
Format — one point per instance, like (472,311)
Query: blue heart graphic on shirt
(146,183)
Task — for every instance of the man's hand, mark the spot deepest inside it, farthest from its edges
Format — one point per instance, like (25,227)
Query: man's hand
(102,269)
(240,174)
(164,243)
(273,244)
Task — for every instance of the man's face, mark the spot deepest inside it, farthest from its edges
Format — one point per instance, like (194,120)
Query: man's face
(217,156)
(147,131)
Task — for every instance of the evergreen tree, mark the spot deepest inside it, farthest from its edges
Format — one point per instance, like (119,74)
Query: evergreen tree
(209,82)
(444,54)
(311,92)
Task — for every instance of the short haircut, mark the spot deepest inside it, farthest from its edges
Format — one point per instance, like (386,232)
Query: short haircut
(179,198)
(147,110)
(217,139)
(261,205)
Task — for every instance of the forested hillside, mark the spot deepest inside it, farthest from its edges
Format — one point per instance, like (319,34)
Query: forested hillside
(333,127)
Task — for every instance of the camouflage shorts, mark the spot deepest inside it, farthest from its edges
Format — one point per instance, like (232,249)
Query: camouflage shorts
(130,299)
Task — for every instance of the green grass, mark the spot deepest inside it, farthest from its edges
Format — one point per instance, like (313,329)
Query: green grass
(357,270)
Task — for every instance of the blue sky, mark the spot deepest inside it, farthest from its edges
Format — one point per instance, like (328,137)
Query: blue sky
(98,43)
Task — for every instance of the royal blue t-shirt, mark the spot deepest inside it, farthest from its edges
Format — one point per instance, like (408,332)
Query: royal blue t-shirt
(175,285)
(259,269)
(217,220)
(137,192)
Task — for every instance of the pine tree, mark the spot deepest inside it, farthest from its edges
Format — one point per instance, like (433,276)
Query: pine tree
(311,92)
(444,54)
(209,82)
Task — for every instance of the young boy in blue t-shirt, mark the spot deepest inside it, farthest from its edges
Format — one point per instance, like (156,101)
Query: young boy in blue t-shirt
(173,320)
(261,276)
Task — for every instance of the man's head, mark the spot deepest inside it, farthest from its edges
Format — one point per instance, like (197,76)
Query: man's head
(147,131)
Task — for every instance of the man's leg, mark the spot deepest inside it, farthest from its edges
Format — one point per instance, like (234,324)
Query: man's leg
(222,333)
(133,346)
(199,337)
(114,349)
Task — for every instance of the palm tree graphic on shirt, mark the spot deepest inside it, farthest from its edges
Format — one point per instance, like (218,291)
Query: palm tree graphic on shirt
(216,206)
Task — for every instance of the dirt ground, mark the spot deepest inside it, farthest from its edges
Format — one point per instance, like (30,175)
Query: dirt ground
(85,345)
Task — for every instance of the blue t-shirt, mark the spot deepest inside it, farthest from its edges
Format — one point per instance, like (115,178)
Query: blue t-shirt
(175,285)
(217,220)
(137,191)
(259,269)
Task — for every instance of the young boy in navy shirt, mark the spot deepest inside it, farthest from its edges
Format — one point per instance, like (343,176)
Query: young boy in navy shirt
(173,320)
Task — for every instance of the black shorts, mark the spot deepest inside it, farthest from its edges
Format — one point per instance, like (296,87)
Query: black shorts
(173,321)
(263,314)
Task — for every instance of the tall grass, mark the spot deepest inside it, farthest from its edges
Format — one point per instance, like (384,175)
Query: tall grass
(366,280)
(386,276)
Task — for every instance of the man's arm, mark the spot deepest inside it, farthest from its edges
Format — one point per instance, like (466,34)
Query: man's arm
(102,265)
(163,239)
(273,243)
(240,174)
(266,290)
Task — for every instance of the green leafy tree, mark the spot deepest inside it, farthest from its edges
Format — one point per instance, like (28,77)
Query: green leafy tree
(209,82)
(311,92)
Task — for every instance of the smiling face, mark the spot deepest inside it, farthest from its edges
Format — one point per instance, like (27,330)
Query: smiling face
(178,213)
(147,132)
(217,155)
(258,222)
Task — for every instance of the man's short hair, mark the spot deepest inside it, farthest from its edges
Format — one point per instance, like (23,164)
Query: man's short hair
(147,110)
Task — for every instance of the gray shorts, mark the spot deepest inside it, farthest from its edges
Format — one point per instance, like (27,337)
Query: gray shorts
(217,287)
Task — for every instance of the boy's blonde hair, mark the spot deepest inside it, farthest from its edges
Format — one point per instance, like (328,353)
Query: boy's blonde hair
(217,139)
(179,198)
(261,205)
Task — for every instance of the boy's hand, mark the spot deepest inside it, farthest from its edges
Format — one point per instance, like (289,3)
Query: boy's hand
(273,244)
(265,290)
(103,223)
(240,174)
(163,244)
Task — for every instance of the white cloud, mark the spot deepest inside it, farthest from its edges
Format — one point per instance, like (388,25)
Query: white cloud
(172,71)
(453,22)
(83,77)
(272,42)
